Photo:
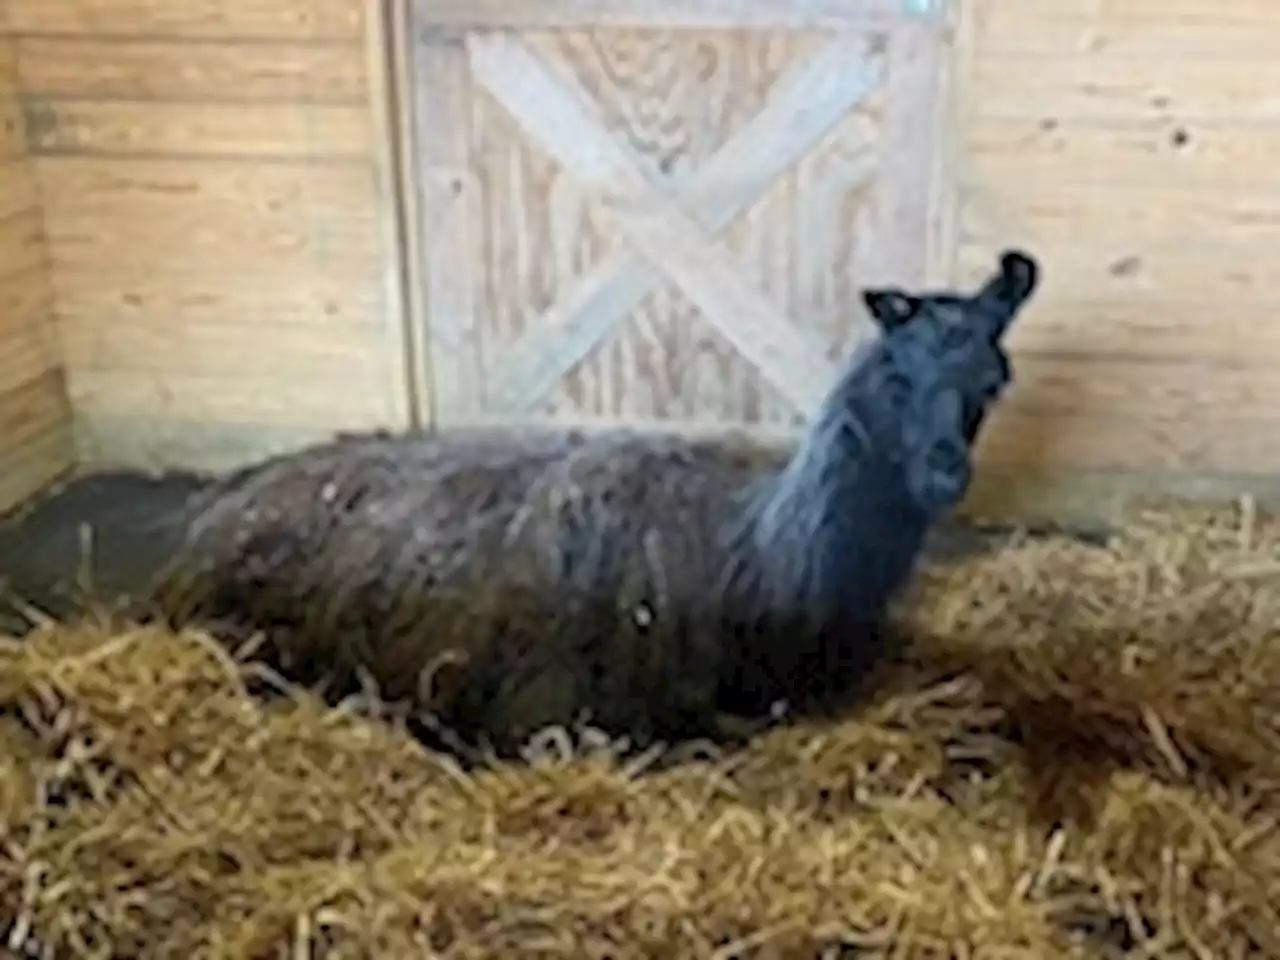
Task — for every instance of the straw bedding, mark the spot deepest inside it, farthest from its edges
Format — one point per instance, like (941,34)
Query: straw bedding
(1079,756)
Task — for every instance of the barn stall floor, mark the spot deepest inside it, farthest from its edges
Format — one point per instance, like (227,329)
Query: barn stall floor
(1079,756)
(132,519)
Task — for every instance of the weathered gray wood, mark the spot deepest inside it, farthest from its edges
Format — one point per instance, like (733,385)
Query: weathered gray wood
(673,14)
(804,104)
(564,125)
(446,211)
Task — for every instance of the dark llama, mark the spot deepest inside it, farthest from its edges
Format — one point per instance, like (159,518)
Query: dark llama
(501,582)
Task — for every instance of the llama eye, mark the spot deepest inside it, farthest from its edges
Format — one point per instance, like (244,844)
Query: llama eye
(946,458)
(954,337)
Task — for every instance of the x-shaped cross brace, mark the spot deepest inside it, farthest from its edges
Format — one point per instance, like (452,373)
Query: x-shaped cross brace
(670,222)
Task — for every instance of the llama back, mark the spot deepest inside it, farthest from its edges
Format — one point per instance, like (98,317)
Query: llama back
(284,543)
(525,576)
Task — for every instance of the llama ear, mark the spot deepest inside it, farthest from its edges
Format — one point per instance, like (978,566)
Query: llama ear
(890,307)
(1003,296)
(1019,275)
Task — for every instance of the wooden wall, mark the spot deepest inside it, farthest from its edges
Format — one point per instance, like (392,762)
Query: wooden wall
(219,214)
(219,219)
(35,437)
(1133,144)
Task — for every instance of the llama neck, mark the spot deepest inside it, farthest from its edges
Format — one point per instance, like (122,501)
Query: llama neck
(837,530)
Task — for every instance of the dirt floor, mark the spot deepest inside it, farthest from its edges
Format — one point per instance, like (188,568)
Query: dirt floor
(111,531)
(44,550)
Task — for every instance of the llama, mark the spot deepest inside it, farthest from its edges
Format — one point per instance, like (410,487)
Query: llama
(506,581)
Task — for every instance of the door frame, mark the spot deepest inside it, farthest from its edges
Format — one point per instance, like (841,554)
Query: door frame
(390,30)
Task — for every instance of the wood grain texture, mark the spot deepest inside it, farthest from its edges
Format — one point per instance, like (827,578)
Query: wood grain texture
(1131,146)
(293,394)
(28,340)
(13,141)
(904,206)
(671,14)
(807,101)
(32,467)
(210,214)
(35,416)
(17,187)
(673,222)
(1093,499)
(353,354)
(448,210)
(31,409)
(194,71)
(154,443)
(656,227)
(107,294)
(291,20)
(384,59)
(182,131)
(1104,85)
(1040,445)
(1147,29)
(216,212)
(22,240)
(217,170)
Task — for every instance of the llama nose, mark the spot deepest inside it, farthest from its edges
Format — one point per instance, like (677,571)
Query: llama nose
(947,413)
(947,457)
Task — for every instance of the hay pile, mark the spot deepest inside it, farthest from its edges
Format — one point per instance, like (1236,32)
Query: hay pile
(1081,757)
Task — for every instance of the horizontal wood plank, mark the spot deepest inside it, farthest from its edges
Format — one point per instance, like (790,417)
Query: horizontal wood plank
(32,409)
(22,243)
(1136,28)
(1149,326)
(1103,497)
(1102,414)
(17,187)
(35,415)
(9,84)
(668,14)
(1104,85)
(1187,392)
(184,215)
(161,348)
(1125,267)
(279,397)
(28,339)
(137,295)
(663,233)
(13,131)
(28,469)
(191,19)
(155,443)
(1126,441)
(209,71)
(179,130)
(1166,154)
(208,181)
(1119,221)
(1130,145)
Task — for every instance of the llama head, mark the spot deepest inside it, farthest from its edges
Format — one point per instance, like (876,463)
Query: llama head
(943,367)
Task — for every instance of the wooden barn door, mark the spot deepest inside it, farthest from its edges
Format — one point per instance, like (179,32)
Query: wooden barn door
(661,210)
